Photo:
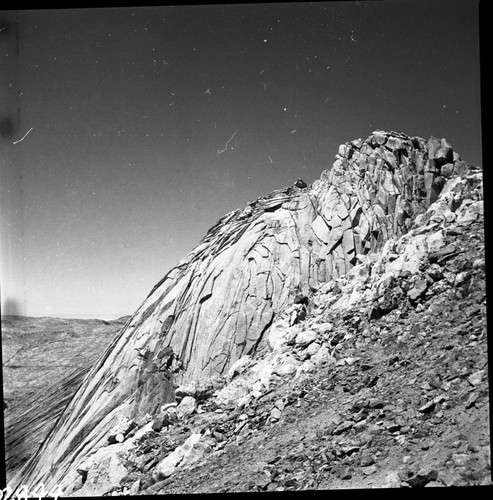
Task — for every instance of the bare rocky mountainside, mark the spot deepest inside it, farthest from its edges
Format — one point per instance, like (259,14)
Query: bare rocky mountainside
(326,336)
(44,362)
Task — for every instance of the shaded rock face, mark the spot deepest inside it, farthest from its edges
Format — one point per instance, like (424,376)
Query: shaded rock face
(216,305)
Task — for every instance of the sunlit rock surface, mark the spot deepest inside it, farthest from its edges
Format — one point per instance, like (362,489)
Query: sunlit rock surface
(218,303)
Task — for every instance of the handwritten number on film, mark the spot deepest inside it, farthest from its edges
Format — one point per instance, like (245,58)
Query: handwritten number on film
(23,493)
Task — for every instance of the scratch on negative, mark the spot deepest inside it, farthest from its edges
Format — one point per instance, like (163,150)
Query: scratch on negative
(24,136)
(219,151)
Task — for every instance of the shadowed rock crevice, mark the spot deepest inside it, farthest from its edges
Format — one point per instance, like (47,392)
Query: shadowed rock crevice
(216,305)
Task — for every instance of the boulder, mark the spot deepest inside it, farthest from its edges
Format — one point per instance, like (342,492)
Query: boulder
(417,290)
(119,432)
(168,465)
(186,408)
(200,389)
(305,338)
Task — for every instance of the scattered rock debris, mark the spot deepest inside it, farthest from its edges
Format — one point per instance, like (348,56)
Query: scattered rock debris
(378,380)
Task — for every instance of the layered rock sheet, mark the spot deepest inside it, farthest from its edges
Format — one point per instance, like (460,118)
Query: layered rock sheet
(66,350)
(29,429)
(216,305)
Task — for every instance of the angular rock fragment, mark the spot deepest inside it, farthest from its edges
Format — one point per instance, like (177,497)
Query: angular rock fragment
(169,464)
(418,290)
(200,390)
(298,314)
(422,478)
(471,400)
(443,254)
(305,338)
(427,407)
(118,433)
(159,422)
(476,378)
(186,407)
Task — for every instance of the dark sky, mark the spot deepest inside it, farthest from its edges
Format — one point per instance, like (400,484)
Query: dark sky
(145,125)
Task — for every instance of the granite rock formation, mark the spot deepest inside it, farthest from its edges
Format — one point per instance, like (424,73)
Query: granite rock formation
(382,384)
(44,362)
(221,302)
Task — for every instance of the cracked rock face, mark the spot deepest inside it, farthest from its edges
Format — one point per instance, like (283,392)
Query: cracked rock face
(217,304)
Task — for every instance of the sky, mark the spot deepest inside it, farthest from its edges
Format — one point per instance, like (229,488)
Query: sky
(127,132)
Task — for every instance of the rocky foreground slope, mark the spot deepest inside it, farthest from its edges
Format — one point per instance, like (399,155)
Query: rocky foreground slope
(384,257)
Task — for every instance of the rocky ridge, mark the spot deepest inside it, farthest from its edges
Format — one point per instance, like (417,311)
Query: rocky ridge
(359,245)
(366,391)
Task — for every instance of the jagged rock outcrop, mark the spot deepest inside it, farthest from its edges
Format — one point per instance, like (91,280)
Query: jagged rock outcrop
(350,399)
(218,303)
(343,397)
